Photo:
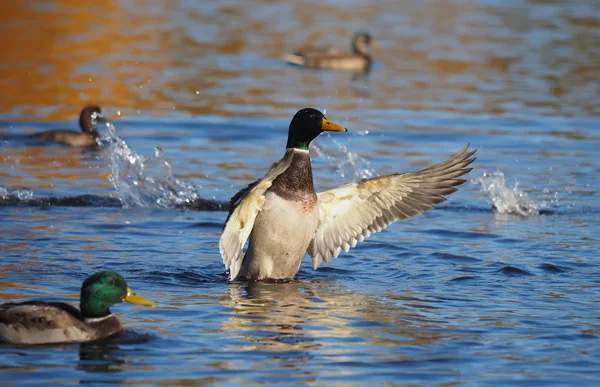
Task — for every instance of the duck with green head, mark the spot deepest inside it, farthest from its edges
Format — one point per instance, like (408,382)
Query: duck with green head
(89,118)
(358,60)
(40,322)
(282,217)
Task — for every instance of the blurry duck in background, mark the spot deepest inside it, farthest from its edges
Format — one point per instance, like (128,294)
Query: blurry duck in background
(88,119)
(283,217)
(41,322)
(359,60)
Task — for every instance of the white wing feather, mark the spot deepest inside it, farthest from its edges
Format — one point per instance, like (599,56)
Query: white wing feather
(350,213)
(244,208)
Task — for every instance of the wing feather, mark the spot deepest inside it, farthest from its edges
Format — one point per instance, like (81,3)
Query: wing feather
(37,322)
(243,209)
(351,213)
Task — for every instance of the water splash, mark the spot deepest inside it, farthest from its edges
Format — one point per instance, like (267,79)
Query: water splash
(143,181)
(148,181)
(507,200)
(21,195)
(346,163)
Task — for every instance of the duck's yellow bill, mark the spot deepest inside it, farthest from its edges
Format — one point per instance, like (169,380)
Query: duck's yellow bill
(134,298)
(332,126)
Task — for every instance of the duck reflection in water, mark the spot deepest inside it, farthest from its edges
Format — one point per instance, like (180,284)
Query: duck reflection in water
(315,317)
(272,315)
(101,356)
(108,355)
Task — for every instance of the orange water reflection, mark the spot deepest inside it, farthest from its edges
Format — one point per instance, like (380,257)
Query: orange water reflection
(160,57)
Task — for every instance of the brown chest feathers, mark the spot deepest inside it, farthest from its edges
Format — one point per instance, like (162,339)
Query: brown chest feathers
(296,183)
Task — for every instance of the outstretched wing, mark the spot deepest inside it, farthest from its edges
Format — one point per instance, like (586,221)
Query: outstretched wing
(243,209)
(350,213)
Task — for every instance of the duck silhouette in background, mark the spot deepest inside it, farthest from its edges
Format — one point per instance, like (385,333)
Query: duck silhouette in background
(89,118)
(358,60)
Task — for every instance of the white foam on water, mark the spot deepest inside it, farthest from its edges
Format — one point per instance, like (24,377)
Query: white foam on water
(22,195)
(504,199)
(145,181)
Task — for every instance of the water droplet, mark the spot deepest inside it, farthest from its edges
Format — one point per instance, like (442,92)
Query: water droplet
(504,199)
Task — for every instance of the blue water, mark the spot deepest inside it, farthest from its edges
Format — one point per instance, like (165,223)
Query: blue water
(497,286)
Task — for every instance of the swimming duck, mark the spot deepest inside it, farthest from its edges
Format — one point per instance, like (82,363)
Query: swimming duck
(283,217)
(358,60)
(88,119)
(41,322)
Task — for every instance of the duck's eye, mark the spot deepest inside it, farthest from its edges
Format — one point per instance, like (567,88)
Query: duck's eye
(113,282)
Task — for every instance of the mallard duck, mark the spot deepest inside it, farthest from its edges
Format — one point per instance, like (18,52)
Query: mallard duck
(89,117)
(358,60)
(40,322)
(283,217)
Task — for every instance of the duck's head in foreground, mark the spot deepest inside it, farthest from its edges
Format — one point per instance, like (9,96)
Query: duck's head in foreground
(104,289)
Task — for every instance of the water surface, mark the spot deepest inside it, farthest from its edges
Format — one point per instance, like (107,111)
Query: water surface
(497,286)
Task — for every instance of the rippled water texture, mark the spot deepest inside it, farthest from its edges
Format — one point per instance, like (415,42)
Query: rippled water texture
(497,286)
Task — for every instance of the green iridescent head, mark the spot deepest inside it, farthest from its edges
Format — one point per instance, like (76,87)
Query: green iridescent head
(102,290)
